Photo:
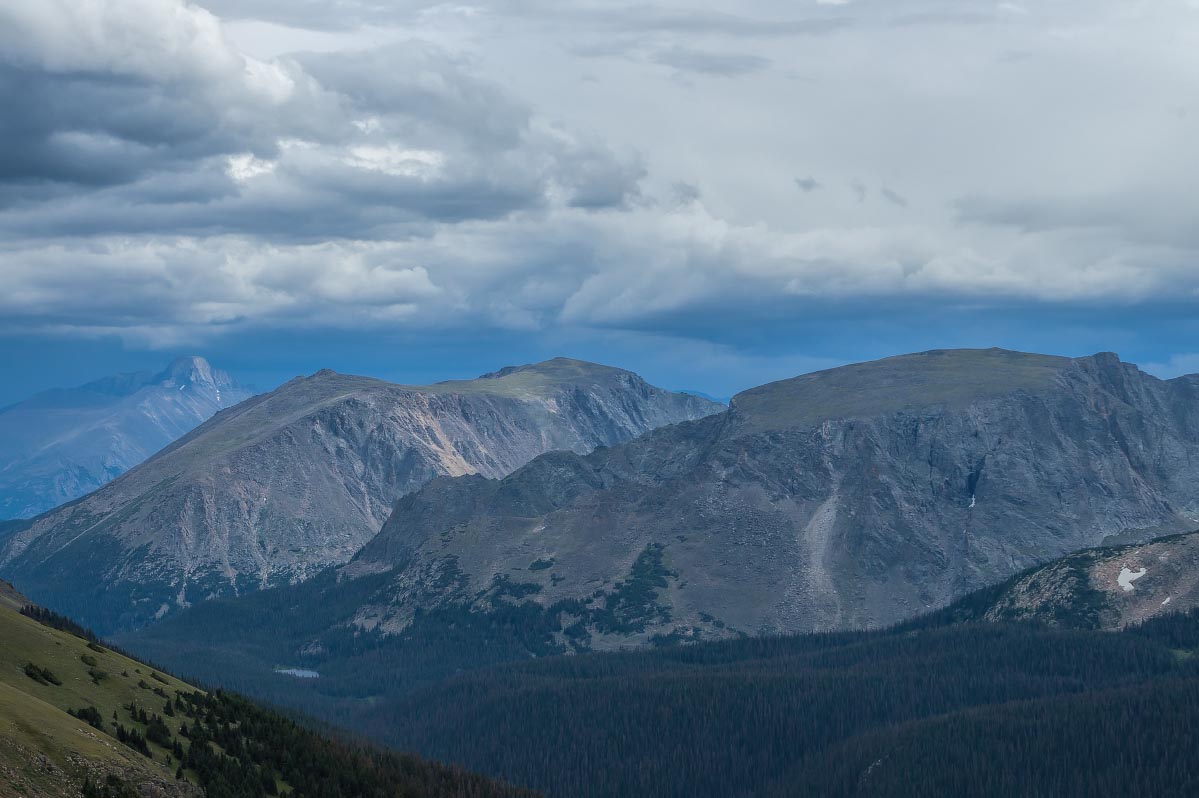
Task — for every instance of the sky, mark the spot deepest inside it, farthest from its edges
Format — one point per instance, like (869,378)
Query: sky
(714,194)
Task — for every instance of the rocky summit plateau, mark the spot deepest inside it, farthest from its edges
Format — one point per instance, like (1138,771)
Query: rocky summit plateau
(290,482)
(848,498)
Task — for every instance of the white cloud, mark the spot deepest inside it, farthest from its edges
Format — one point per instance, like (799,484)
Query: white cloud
(165,184)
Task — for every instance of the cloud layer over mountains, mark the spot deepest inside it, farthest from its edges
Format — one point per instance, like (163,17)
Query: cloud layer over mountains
(169,172)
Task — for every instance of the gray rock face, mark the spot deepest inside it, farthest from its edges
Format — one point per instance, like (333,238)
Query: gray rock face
(850,498)
(288,483)
(62,444)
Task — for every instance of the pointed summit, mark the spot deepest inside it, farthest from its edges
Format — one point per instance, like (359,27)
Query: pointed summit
(189,370)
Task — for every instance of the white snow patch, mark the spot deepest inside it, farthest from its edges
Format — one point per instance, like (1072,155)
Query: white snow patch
(299,673)
(1127,577)
(972,502)
(1165,601)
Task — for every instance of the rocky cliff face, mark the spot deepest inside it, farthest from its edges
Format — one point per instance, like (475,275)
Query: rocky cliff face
(290,482)
(62,444)
(850,498)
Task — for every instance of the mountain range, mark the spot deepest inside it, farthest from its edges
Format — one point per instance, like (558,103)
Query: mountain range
(64,443)
(290,482)
(870,566)
(854,498)
(846,499)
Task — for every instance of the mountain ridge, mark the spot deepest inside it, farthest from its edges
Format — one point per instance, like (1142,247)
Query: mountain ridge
(885,509)
(288,482)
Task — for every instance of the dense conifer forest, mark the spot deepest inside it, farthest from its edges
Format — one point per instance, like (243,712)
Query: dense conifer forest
(952,710)
(933,705)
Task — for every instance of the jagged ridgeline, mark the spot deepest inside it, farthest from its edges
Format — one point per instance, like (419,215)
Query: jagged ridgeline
(285,484)
(78,718)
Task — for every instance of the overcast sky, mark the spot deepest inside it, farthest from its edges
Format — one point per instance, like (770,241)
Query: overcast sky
(715,194)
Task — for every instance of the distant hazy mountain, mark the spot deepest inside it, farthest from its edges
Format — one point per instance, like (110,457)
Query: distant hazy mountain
(848,498)
(64,443)
(290,482)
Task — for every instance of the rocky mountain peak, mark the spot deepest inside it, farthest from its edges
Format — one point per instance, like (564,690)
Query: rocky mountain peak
(63,443)
(192,370)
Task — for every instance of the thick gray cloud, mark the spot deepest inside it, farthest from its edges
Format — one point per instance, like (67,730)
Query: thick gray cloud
(167,173)
(158,125)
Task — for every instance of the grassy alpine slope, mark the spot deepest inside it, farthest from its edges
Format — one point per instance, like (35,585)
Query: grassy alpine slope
(77,716)
(45,750)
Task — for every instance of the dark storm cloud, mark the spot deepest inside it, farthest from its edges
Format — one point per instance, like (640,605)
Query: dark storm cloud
(97,129)
(192,138)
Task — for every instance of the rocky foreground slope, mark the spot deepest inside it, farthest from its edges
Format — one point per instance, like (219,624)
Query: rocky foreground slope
(293,481)
(849,498)
(64,443)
